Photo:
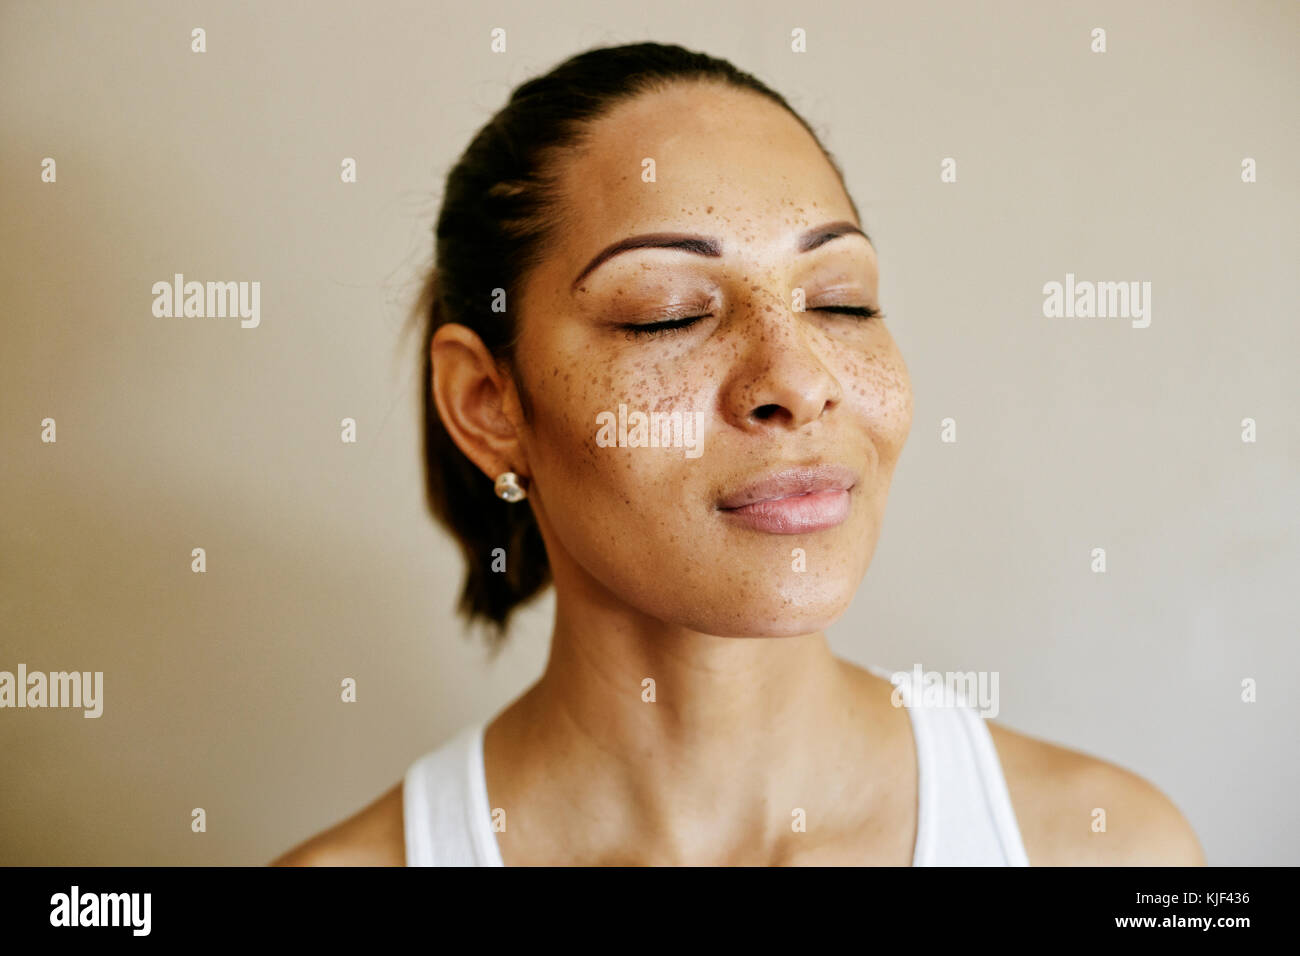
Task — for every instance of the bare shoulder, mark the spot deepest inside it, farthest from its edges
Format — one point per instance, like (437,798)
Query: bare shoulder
(373,836)
(1077,810)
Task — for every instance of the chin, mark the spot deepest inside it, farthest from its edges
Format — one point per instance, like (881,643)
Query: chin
(799,610)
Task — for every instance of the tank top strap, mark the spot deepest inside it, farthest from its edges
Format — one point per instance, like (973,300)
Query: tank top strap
(964,811)
(445,815)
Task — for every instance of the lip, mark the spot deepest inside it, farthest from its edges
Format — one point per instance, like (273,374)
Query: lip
(794,500)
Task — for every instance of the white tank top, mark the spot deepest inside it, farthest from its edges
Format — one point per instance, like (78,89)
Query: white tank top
(964,815)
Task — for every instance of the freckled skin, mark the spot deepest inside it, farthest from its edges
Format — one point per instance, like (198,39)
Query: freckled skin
(838,383)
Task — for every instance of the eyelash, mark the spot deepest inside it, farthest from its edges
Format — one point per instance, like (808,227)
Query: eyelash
(651,329)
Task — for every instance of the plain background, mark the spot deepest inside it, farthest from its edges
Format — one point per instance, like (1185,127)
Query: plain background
(222,689)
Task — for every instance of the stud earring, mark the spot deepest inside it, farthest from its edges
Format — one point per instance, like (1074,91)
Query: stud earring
(508,487)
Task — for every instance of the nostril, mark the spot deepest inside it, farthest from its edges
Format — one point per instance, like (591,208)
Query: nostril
(764,412)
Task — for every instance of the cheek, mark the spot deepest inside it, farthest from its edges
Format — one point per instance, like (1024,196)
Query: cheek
(576,414)
(881,395)
(629,517)
(561,444)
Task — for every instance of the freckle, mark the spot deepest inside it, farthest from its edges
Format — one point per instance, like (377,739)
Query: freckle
(710,209)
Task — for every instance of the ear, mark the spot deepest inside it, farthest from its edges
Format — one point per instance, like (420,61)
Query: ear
(477,401)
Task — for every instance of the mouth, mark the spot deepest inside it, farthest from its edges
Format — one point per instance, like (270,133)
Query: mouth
(794,501)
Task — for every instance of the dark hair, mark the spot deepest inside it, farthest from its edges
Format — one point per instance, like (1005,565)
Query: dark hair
(500,205)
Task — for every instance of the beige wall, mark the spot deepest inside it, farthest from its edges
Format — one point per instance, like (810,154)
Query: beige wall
(222,689)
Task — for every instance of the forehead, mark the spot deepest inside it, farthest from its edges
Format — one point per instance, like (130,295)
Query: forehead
(727,162)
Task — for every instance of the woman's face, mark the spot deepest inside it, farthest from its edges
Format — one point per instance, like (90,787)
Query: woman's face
(745,191)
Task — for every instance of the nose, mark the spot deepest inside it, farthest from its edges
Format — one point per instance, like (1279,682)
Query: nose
(779,379)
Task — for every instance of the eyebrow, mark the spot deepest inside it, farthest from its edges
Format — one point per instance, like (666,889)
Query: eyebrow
(709,246)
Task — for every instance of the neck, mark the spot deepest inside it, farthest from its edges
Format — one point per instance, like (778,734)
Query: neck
(686,746)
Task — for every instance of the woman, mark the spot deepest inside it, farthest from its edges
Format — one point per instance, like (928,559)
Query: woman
(648,231)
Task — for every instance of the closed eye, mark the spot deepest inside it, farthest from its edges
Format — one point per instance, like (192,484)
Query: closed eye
(649,329)
(865,312)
